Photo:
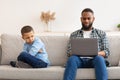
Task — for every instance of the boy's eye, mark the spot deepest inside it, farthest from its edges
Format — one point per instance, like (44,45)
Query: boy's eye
(32,36)
(27,38)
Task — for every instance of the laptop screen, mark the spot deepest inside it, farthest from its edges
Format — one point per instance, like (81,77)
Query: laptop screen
(84,46)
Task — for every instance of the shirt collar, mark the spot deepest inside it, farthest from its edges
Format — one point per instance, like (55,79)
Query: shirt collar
(93,30)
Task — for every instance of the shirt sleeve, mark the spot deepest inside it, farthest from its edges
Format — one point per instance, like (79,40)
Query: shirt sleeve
(25,48)
(36,46)
(69,47)
(105,45)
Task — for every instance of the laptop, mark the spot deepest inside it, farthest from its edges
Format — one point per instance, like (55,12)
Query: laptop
(84,47)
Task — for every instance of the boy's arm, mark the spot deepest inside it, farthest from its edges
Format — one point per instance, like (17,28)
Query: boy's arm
(24,48)
(36,47)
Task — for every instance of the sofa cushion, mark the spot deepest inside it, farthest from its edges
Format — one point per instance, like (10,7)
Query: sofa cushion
(119,63)
(11,47)
(114,45)
(55,46)
(52,73)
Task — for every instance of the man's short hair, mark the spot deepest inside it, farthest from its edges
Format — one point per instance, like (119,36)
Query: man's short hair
(87,10)
(26,29)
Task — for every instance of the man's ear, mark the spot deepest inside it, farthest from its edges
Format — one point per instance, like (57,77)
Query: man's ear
(93,18)
(80,19)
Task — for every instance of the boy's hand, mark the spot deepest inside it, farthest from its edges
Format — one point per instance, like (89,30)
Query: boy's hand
(40,51)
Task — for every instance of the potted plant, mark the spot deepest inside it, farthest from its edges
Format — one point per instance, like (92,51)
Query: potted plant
(118,26)
(47,17)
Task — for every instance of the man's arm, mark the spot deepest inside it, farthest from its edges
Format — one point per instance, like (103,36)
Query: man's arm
(105,46)
(69,49)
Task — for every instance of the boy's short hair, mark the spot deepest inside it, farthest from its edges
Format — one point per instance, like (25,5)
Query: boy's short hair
(26,29)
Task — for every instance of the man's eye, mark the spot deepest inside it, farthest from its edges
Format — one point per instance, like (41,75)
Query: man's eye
(84,18)
(89,18)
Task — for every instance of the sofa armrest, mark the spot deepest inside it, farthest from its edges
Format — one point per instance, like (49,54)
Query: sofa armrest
(119,63)
(0,53)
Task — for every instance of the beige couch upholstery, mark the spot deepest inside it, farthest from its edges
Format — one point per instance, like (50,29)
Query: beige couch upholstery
(11,46)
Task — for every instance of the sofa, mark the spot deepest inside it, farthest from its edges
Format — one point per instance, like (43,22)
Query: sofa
(11,46)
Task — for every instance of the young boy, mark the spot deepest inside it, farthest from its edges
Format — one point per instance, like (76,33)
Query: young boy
(34,53)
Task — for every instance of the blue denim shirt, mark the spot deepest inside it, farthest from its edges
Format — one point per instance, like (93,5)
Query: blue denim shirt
(95,33)
(33,49)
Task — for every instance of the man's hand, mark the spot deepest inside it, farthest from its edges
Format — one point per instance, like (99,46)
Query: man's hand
(69,54)
(101,53)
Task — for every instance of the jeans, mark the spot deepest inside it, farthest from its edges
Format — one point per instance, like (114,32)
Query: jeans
(75,62)
(31,60)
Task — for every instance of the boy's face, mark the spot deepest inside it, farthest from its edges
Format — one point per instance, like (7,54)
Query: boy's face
(28,37)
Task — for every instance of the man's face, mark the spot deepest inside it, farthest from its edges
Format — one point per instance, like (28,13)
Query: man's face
(28,37)
(87,20)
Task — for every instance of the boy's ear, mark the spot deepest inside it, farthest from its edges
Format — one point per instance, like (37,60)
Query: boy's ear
(22,37)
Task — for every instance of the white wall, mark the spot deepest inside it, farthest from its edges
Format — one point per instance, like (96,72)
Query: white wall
(16,13)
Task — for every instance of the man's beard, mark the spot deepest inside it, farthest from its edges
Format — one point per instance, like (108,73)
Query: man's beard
(87,27)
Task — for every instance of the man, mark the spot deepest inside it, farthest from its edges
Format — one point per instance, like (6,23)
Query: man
(98,62)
